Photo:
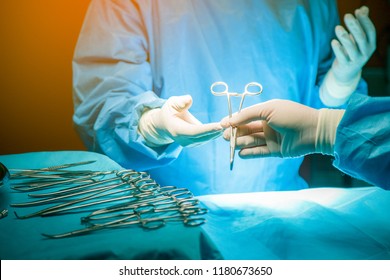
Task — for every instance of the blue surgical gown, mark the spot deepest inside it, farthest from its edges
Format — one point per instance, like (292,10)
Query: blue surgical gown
(133,55)
(362,146)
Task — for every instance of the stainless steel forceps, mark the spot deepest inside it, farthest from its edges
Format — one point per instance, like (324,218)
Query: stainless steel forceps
(221,88)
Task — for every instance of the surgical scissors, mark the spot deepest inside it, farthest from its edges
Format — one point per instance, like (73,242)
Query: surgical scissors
(130,198)
(146,215)
(220,89)
(57,168)
(135,192)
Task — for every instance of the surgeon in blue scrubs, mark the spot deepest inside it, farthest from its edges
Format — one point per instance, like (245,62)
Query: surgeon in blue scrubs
(358,137)
(142,72)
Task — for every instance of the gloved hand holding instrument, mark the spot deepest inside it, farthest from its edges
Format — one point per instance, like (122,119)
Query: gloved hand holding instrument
(283,128)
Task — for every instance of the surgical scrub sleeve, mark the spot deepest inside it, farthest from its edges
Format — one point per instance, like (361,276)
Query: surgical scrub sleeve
(133,55)
(362,147)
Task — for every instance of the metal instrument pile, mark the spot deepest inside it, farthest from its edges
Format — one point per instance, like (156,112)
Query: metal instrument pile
(110,199)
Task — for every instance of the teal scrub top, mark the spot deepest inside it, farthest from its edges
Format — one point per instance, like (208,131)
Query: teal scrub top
(362,146)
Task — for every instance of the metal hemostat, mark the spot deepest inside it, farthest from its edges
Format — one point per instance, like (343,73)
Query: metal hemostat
(220,89)
(117,198)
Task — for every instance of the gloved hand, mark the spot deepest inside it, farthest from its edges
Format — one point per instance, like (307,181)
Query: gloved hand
(174,123)
(352,51)
(282,128)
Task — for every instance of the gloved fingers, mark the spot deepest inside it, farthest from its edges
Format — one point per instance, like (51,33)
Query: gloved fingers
(188,117)
(347,42)
(339,52)
(367,25)
(246,129)
(182,122)
(357,31)
(250,141)
(179,103)
(245,116)
(178,106)
(226,134)
(183,129)
(259,111)
(256,152)
(269,144)
(192,141)
(250,144)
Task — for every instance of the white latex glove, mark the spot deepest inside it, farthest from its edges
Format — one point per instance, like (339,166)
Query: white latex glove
(282,128)
(174,123)
(352,51)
